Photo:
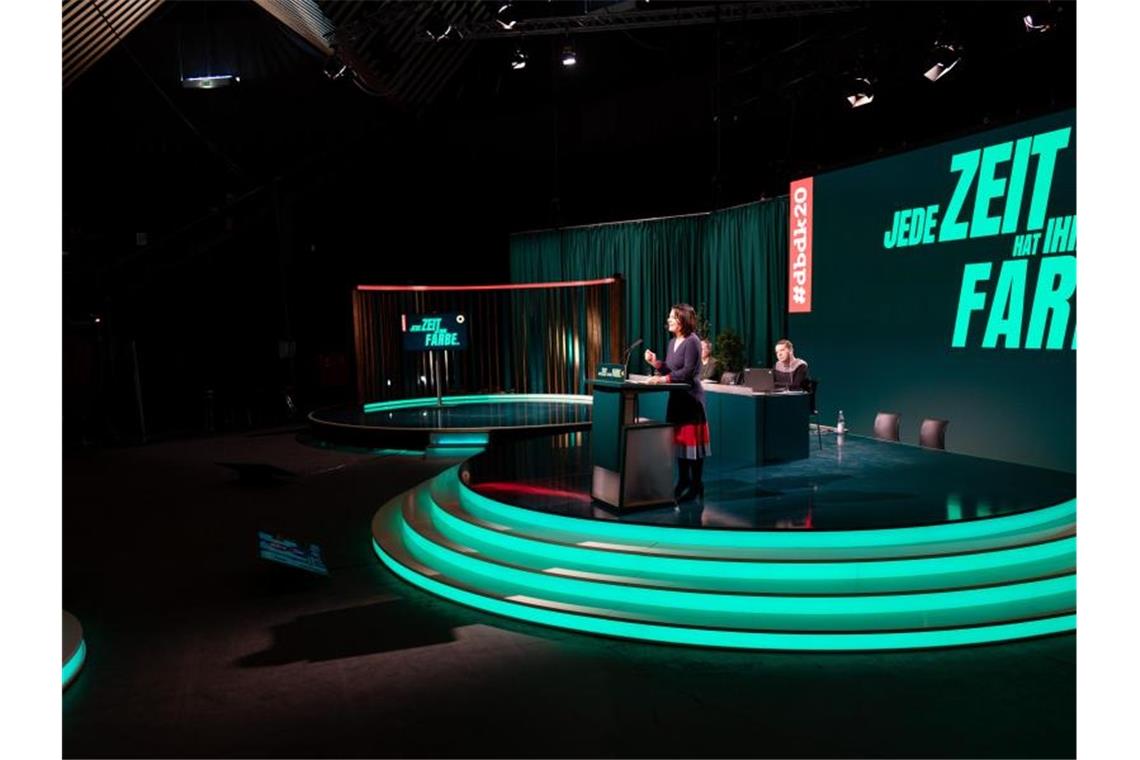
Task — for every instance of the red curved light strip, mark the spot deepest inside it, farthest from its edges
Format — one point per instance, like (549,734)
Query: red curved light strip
(531,490)
(509,286)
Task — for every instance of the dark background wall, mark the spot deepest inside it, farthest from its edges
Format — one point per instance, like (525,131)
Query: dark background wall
(263,204)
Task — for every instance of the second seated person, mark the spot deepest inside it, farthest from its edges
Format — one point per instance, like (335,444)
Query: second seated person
(710,367)
(789,371)
(686,408)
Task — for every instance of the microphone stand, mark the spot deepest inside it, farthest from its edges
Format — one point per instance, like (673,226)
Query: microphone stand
(625,359)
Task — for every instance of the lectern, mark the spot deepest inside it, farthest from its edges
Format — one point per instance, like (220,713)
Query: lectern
(632,457)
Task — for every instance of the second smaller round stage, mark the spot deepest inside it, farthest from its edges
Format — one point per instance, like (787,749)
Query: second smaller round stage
(459,422)
(74,648)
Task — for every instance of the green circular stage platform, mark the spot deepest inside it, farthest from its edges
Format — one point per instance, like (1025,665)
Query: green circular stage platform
(867,546)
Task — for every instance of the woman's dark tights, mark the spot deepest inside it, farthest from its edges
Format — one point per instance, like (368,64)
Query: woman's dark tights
(689,484)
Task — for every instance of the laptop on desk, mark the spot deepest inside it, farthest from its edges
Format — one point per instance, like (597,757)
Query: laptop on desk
(759,380)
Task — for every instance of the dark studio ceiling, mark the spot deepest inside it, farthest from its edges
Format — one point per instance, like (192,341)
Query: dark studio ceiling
(671,107)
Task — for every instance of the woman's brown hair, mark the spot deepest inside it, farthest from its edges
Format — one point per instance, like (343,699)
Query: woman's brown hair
(687,316)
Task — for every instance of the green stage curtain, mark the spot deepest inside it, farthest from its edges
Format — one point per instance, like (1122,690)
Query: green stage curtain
(734,262)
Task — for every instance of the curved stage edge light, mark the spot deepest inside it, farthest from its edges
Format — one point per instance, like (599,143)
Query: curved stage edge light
(480,398)
(992,580)
(74,648)
(459,426)
(732,639)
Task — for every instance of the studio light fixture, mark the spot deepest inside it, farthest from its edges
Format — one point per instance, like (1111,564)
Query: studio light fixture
(944,57)
(1038,23)
(860,92)
(569,55)
(437,28)
(207,59)
(519,59)
(505,17)
(335,68)
(210,82)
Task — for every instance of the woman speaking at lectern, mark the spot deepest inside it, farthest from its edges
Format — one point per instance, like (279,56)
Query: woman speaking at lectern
(686,409)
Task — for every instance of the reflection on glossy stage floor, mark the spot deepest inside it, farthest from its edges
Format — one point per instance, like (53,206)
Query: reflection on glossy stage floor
(862,483)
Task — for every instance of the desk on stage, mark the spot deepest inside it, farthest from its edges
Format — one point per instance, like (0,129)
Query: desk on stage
(632,457)
(752,428)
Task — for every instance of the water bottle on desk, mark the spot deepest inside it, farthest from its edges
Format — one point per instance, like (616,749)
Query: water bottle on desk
(840,427)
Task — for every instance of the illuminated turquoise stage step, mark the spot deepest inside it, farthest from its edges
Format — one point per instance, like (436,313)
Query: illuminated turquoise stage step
(641,566)
(1036,526)
(942,585)
(74,648)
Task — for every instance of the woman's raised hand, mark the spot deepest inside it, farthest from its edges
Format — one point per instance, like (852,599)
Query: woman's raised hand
(650,357)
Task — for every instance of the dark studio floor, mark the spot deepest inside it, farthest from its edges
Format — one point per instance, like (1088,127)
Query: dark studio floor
(197,648)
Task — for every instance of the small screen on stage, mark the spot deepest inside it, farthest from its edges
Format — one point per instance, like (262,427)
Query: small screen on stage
(611,372)
(434,332)
(286,551)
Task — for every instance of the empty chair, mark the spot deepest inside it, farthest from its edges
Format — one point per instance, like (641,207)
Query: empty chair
(811,385)
(932,434)
(887,426)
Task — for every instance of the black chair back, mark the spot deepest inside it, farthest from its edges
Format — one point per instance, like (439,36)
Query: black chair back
(932,434)
(811,385)
(887,426)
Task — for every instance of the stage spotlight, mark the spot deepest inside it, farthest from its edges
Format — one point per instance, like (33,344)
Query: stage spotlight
(1039,22)
(569,56)
(335,68)
(518,60)
(211,82)
(861,92)
(437,27)
(944,57)
(506,17)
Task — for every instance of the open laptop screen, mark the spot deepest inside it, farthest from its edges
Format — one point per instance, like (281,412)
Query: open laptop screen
(758,379)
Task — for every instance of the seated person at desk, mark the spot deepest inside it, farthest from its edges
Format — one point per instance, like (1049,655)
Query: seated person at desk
(789,372)
(710,367)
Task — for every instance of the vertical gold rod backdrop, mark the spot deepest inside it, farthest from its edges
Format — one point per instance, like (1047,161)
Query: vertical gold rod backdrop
(568,330)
